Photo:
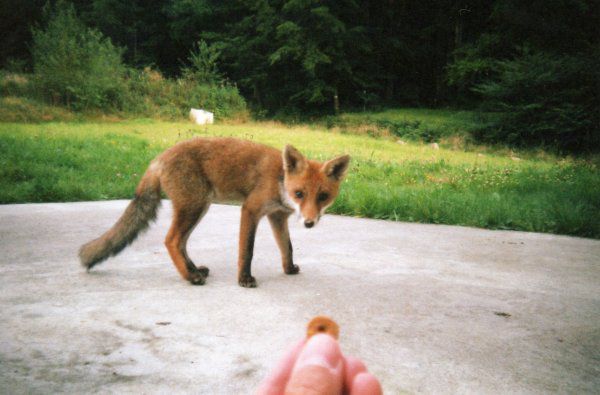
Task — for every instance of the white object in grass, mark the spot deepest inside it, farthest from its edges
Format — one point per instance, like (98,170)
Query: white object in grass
(201,117)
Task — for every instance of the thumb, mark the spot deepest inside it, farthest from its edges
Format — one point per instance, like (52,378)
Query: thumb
(318,369)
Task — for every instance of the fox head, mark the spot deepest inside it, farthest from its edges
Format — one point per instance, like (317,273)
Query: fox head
(309,186)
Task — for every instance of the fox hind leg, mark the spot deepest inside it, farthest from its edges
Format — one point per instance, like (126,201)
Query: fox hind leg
(184,222)
(189,263)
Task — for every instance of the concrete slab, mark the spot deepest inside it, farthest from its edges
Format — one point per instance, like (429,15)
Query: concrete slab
(430,309)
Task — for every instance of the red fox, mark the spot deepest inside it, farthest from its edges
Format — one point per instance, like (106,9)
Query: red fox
(197,172)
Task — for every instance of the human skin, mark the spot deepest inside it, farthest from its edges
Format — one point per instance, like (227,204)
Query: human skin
(317,367)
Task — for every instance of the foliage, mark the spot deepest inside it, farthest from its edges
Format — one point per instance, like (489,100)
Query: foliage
(137,26)
(143,93)
(75,65)
(15,84)
(295,54)
(16,19)
(313,41)
(23,109)
(545,89)
(150,93)
(203,66)
(426,125)
(295,57)
(545,100)
(473,64)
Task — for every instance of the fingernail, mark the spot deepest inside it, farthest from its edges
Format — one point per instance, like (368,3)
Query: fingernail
(320,350)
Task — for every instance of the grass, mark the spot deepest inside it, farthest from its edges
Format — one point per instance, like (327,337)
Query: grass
(455,120)
(412,124)
(21,109)
(409,182)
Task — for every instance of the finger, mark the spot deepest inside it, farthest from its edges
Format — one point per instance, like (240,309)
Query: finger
(275,382)
(354,366)
(319,368)
(365,384)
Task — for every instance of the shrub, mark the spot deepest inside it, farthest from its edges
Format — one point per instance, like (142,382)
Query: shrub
(75,65)
(148,92)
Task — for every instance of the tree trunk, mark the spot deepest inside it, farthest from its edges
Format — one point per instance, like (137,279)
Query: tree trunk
(336,102)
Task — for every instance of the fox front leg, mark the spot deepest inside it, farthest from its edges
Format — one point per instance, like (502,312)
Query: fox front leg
(279,225)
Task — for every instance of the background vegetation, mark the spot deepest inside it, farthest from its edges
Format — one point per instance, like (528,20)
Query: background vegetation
(532,66)
(78,68)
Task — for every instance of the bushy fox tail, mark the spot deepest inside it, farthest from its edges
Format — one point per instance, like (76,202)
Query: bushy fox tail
(136,218)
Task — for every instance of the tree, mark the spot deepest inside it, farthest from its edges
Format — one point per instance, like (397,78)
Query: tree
(15,29)
(138,26)
(203,64)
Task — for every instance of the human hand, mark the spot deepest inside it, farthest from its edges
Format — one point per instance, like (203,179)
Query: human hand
(316,366)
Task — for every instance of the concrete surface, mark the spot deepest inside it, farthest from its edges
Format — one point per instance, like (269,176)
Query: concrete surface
(430,309)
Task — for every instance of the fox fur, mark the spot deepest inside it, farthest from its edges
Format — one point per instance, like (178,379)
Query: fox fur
(198,172)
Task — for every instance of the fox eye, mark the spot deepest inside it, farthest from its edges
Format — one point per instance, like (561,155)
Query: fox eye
(323,196)
(299,194)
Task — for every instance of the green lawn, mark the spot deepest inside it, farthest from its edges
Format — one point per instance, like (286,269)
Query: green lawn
(407,182)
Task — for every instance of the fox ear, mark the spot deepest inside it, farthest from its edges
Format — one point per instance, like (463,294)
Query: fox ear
(336,168)
(293,161)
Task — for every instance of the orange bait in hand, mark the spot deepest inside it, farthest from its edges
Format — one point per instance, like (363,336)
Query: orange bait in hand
(322,324)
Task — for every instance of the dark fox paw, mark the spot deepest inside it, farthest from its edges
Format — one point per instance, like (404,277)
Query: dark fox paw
(294,269)
(197,278)
(203,270)
(247,282)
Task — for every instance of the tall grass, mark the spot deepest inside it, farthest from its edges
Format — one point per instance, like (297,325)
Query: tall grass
(410,182)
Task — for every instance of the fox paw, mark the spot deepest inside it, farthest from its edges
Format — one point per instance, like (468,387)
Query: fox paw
(294,269)
(203,270)
(197,278)
(247,282)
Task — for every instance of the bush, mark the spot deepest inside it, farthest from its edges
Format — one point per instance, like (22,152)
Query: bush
(148,92)
(75,65)
(544,100)
(412,130)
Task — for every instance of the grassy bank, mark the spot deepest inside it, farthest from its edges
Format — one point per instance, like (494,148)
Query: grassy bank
(413,182)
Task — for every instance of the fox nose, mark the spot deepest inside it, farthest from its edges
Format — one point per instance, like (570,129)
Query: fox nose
(309,224)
